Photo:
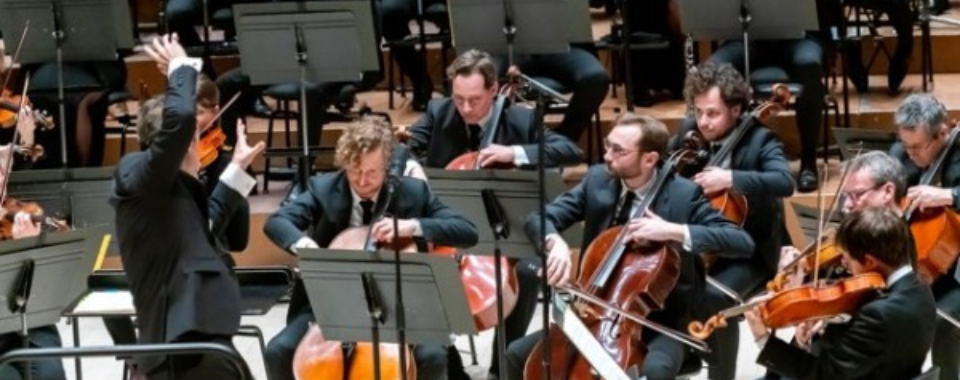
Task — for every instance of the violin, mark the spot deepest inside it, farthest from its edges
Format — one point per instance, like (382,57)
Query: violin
(12,206)
(824,255)
(935,231)
(627,277)
(730,204)
(805,303)
(212,137)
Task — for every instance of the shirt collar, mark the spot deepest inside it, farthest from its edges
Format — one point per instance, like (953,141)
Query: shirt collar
(898,274)
(486,118)
(643,189)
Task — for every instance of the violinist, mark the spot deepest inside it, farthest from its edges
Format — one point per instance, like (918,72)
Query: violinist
(348,198)
(757,167)
(167,227)
(453,126)
(923,130)
(679,215)
(886,338)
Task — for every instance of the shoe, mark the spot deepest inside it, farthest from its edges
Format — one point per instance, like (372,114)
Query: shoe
(807,180)
(421,97)
(895,75)
(261,109)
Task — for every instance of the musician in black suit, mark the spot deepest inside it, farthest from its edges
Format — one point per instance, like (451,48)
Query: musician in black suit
(456,125)
(888,337)
(923,130)
(679,215)
(756,169)
(181,281)
(349,198)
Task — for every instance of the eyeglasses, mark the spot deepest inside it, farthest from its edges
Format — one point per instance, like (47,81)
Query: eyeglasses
(919,147)
(854,196)
(616,150)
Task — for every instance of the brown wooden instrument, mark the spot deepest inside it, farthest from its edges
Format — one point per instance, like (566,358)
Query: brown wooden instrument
(936,232)
(731,204)
(805,303)
(621,274)
(212,137)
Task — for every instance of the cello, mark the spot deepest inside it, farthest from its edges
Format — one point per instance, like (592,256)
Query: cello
(730,204)
(624,276)
(935,231)
(319,359)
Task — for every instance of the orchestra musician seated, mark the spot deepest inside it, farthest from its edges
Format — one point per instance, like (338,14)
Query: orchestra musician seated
(679,215)
(348,198)
(886,338)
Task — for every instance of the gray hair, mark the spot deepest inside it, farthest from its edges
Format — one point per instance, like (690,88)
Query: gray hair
(921,111)
(882,169)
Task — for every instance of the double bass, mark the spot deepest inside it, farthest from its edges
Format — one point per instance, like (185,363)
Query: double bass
(935,231)
(627,277)
(729,203)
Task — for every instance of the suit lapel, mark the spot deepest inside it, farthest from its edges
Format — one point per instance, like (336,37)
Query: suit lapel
(342,204)
(607,198)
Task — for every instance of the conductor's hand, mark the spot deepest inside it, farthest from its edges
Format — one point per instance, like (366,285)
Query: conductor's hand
(558,261)
(383,232)
(243,153)
(163,50)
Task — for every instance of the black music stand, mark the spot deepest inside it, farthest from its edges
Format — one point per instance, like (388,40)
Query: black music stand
(363,287)
(66,31)
(747,20)
(505,199)
(306,42)
(40,276)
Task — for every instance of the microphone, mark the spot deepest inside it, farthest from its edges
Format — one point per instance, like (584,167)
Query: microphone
(398,163)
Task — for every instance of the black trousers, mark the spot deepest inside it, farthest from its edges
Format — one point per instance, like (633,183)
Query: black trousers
(946,342)
(395,21)
(664,358)
(40,337)
(184,15)
(582,74)
(803,61)
(744,277)
(433,361)
(900,14)
(199,367)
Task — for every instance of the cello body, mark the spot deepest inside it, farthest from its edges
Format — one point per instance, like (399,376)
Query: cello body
(937,240)
(639,281)
(319,359)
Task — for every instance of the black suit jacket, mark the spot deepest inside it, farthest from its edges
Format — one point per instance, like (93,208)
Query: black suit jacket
(326,208)
(761,173)
(888,338)
(594,201)
(440,136)
(949,176)
(167,231)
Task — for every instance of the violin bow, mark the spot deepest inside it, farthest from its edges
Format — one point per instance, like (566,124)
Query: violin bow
(16,55)
(222,110)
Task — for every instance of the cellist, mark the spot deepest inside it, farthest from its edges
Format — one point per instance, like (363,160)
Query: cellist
(757,167)
(348,198)
(888,337)
(923,131)
(679,215)
(452,126)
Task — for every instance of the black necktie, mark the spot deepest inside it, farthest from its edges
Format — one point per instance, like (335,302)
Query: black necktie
(714,148)
(367,206)
(624,215)
(473,135)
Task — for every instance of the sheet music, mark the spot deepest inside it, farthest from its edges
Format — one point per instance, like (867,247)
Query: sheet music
(106,302)
(586,344)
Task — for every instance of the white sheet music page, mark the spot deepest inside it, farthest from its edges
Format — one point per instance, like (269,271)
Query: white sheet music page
(583,340)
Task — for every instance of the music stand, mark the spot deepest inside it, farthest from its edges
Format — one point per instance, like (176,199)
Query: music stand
(78,30)
(40,276)
(364,283)
(329,41)
(505,199)
(851,140)
(757,20)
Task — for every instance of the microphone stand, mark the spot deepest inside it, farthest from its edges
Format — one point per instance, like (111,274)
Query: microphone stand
(392,183)
(304,170)
(745,25)
(501,230)
(59,35)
